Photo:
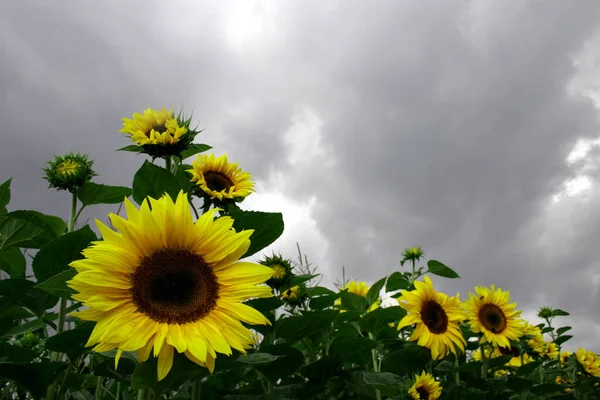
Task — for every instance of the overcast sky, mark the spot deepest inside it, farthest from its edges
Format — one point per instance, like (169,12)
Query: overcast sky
(467,127)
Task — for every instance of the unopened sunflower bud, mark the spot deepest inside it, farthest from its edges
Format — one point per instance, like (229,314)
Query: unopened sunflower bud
(282,271)
(546,313)
(69,172)
(294,296)
(412,254)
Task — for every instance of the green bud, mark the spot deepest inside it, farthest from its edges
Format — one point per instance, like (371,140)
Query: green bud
(69,172)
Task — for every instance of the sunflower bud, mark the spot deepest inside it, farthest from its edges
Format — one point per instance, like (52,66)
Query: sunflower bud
(546,313)
(282,271)
(294,296)
(29,340)
(412,254)
(69,172)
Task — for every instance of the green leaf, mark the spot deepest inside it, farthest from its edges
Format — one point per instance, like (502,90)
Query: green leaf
(71,342)
(377,319)
(546,388)
(349,347)
(56,255)
(396,282)
(559,331)
(386,382)
(22,328)
(195,149)
(499,361)
(318,291)
(528,368)
(325,301)
(559,313)
(267,228)
(561,339)
(33,377)
(95,193)
(437,268)
(13,353)
(145,374)
(322,370)
(57,285)
(300,279)
(373,293)
(257,358)
(265,304)
(12,261)
(184,177)
(24,293)
(154,181)
(352,301)
(408,360)
(5,193)
(132,148)
(29,229)
(518,384)
(445,366)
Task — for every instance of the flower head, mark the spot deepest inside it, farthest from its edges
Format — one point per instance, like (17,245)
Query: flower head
(412,254)
(69,172)
(425,387)
(219,179)
(295,295)
(589,361)
(282,271)
(491,314)
(164,283)
(436,317)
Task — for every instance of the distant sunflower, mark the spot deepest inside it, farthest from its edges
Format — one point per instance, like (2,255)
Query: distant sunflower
(515,361)
(166,283)
(425,387)
(491,314)
(295,295)
(158,127)
(436,317)
(358,288)
(219,179)
(564,356)
(552,350)
(589,361)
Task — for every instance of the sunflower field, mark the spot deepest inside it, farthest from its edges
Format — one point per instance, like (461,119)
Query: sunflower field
(163,300)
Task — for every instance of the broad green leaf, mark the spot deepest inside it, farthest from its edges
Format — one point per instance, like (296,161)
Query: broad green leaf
(23,292)
(386,382)
(5,193)
(375,320)
(24,327)
(318,291)
(56,255)
(411,359)
(154,181)
(265,304)
(33,377)
(325,301)
(12,261)
(184,177)
(546,388)
(396,282)
(353,349)
(71,342)
(11,314)
(437,268)
(300,279)
(14,353)
(57,284)
(29,229)
(528,368)
(561,339)
(559,313)
(289,360)
(132,148)
(195,149)
(351,301)
(373,293)
(145,374)
(95,193)
(322,370)
(559,331)
(499,361)
(267,228)
(518,384)
(445,366)
(257,358)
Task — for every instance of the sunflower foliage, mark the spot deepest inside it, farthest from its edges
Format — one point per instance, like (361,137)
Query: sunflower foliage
(174,297)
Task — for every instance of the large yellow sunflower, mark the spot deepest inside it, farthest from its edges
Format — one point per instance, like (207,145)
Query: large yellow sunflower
(165,283)
(220,179)
(154,127)
(491,314)
(425,387)
(436,317)
(590,361)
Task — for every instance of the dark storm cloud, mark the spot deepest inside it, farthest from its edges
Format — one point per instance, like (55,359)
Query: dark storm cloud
(444,124)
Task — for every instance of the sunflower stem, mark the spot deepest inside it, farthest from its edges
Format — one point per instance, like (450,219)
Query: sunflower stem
(98,388)
(375,365)
(118,394)
(483,361)
(412,276)
(143,394)
(63,302)
(196,390)
(456,374)
(168,163)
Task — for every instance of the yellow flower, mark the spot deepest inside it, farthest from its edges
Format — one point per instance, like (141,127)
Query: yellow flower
(564,356)
(565,382)
(425,388)
(359,288)
(589,361)
(220,179)
(436,317)
(154,127)
(295,295)
(501,351)
(165,283)
(551,350)
(491,314)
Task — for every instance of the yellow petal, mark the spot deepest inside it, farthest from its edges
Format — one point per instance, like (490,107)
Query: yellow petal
(165,361)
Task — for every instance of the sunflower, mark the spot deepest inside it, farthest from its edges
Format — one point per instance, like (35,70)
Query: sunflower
(154,127)
(490,314)
(436,317)
(552,350)
(219,179)
(165,283)
(282,271)
(358,288)
(515,361)
(564,356)
(564,382)
(295,295)
(69,172)
(589,361)
(425,387)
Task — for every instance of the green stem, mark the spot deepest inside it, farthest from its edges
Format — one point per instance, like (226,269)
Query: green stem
(375,365)
(98,388)
(483,361)
(143,394)
(168,163)
(118,394)
(456,374)
(196,390)
(412,276)
(63,302)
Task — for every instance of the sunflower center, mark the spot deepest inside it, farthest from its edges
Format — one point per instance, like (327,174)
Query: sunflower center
(68,167)
(434,316)
(512,351)
(174,286)
(423,393)
(492,318)
(278,271)
(217,181)
(158,129)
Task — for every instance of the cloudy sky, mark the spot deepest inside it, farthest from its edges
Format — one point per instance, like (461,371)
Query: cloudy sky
(467,127)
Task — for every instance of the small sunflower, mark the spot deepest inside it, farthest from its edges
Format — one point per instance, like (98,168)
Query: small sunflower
(219,179)
(552,350)
(358,288)
(159,133)
(491,314)
(564,382)
(167,283)
(589,361)
(436,317)
(282,271)
(425,387)
(564,356)
(295,295)
(69,172)
(515,361)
